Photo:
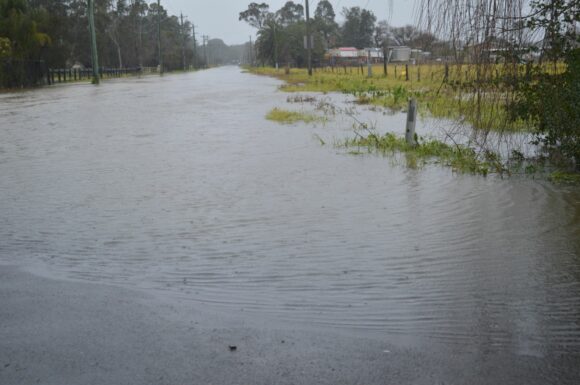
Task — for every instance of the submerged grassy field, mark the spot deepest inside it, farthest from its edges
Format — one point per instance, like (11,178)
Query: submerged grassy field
(442,93)
(451,97)
(460,158)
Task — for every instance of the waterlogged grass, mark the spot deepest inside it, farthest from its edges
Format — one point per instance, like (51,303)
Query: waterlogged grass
(562,177)
(453,99)
(460,158)
(289,117)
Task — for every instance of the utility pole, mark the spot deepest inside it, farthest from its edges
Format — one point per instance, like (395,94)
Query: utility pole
(194,46)
(205,41)
(94,52)
(308,41)
(275,46)
(182,30)
(251,53)
(160,53)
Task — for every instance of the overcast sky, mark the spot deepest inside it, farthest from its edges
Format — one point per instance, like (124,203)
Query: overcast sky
(219,18)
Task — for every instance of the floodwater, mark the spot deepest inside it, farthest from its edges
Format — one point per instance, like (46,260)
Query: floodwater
(180,184)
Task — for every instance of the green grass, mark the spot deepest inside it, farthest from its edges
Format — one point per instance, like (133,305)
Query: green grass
(453,99)
(565,177)
(459,158)
(290,117)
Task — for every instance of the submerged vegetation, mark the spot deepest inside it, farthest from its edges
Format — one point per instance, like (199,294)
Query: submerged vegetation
(447,92)
(289,117)
(460,158)
(439,95)
(499,67)
(565,178)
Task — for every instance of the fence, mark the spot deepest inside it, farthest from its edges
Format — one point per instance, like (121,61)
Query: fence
(25,74)
(22,73)
(461,75)
(61,75)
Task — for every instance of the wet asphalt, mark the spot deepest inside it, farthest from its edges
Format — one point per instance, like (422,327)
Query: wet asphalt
(58,332)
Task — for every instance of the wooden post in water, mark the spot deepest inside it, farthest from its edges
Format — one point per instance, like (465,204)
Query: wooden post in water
(411,123)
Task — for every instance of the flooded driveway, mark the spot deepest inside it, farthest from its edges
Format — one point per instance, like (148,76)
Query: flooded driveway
(179,184)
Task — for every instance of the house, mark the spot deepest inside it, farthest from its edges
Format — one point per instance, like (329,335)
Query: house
(346,52)
(400,54)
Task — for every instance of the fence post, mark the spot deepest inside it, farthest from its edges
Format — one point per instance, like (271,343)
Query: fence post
(406,72)
(411,123)
(370,64)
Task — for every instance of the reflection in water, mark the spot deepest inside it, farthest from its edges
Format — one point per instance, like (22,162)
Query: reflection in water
(180,184)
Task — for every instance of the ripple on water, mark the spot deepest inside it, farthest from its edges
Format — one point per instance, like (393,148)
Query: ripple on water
(193,192)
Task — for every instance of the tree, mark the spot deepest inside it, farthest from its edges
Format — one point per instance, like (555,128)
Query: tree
(553,101)
(55,31)
(280,33)
(324,22)
(21,44)
(19,27)
(290,13)
(5,47)
(255,15)
(114,30)
(358,28)
(557,18)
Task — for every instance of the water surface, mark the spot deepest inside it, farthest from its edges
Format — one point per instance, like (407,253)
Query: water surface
(179,184)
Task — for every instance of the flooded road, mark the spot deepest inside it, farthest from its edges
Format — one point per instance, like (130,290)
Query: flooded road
(180,184)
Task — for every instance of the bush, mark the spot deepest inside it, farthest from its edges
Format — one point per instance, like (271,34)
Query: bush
(553,103)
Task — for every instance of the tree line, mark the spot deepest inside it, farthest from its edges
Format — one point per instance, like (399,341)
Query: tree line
(281,33)
(56,32)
